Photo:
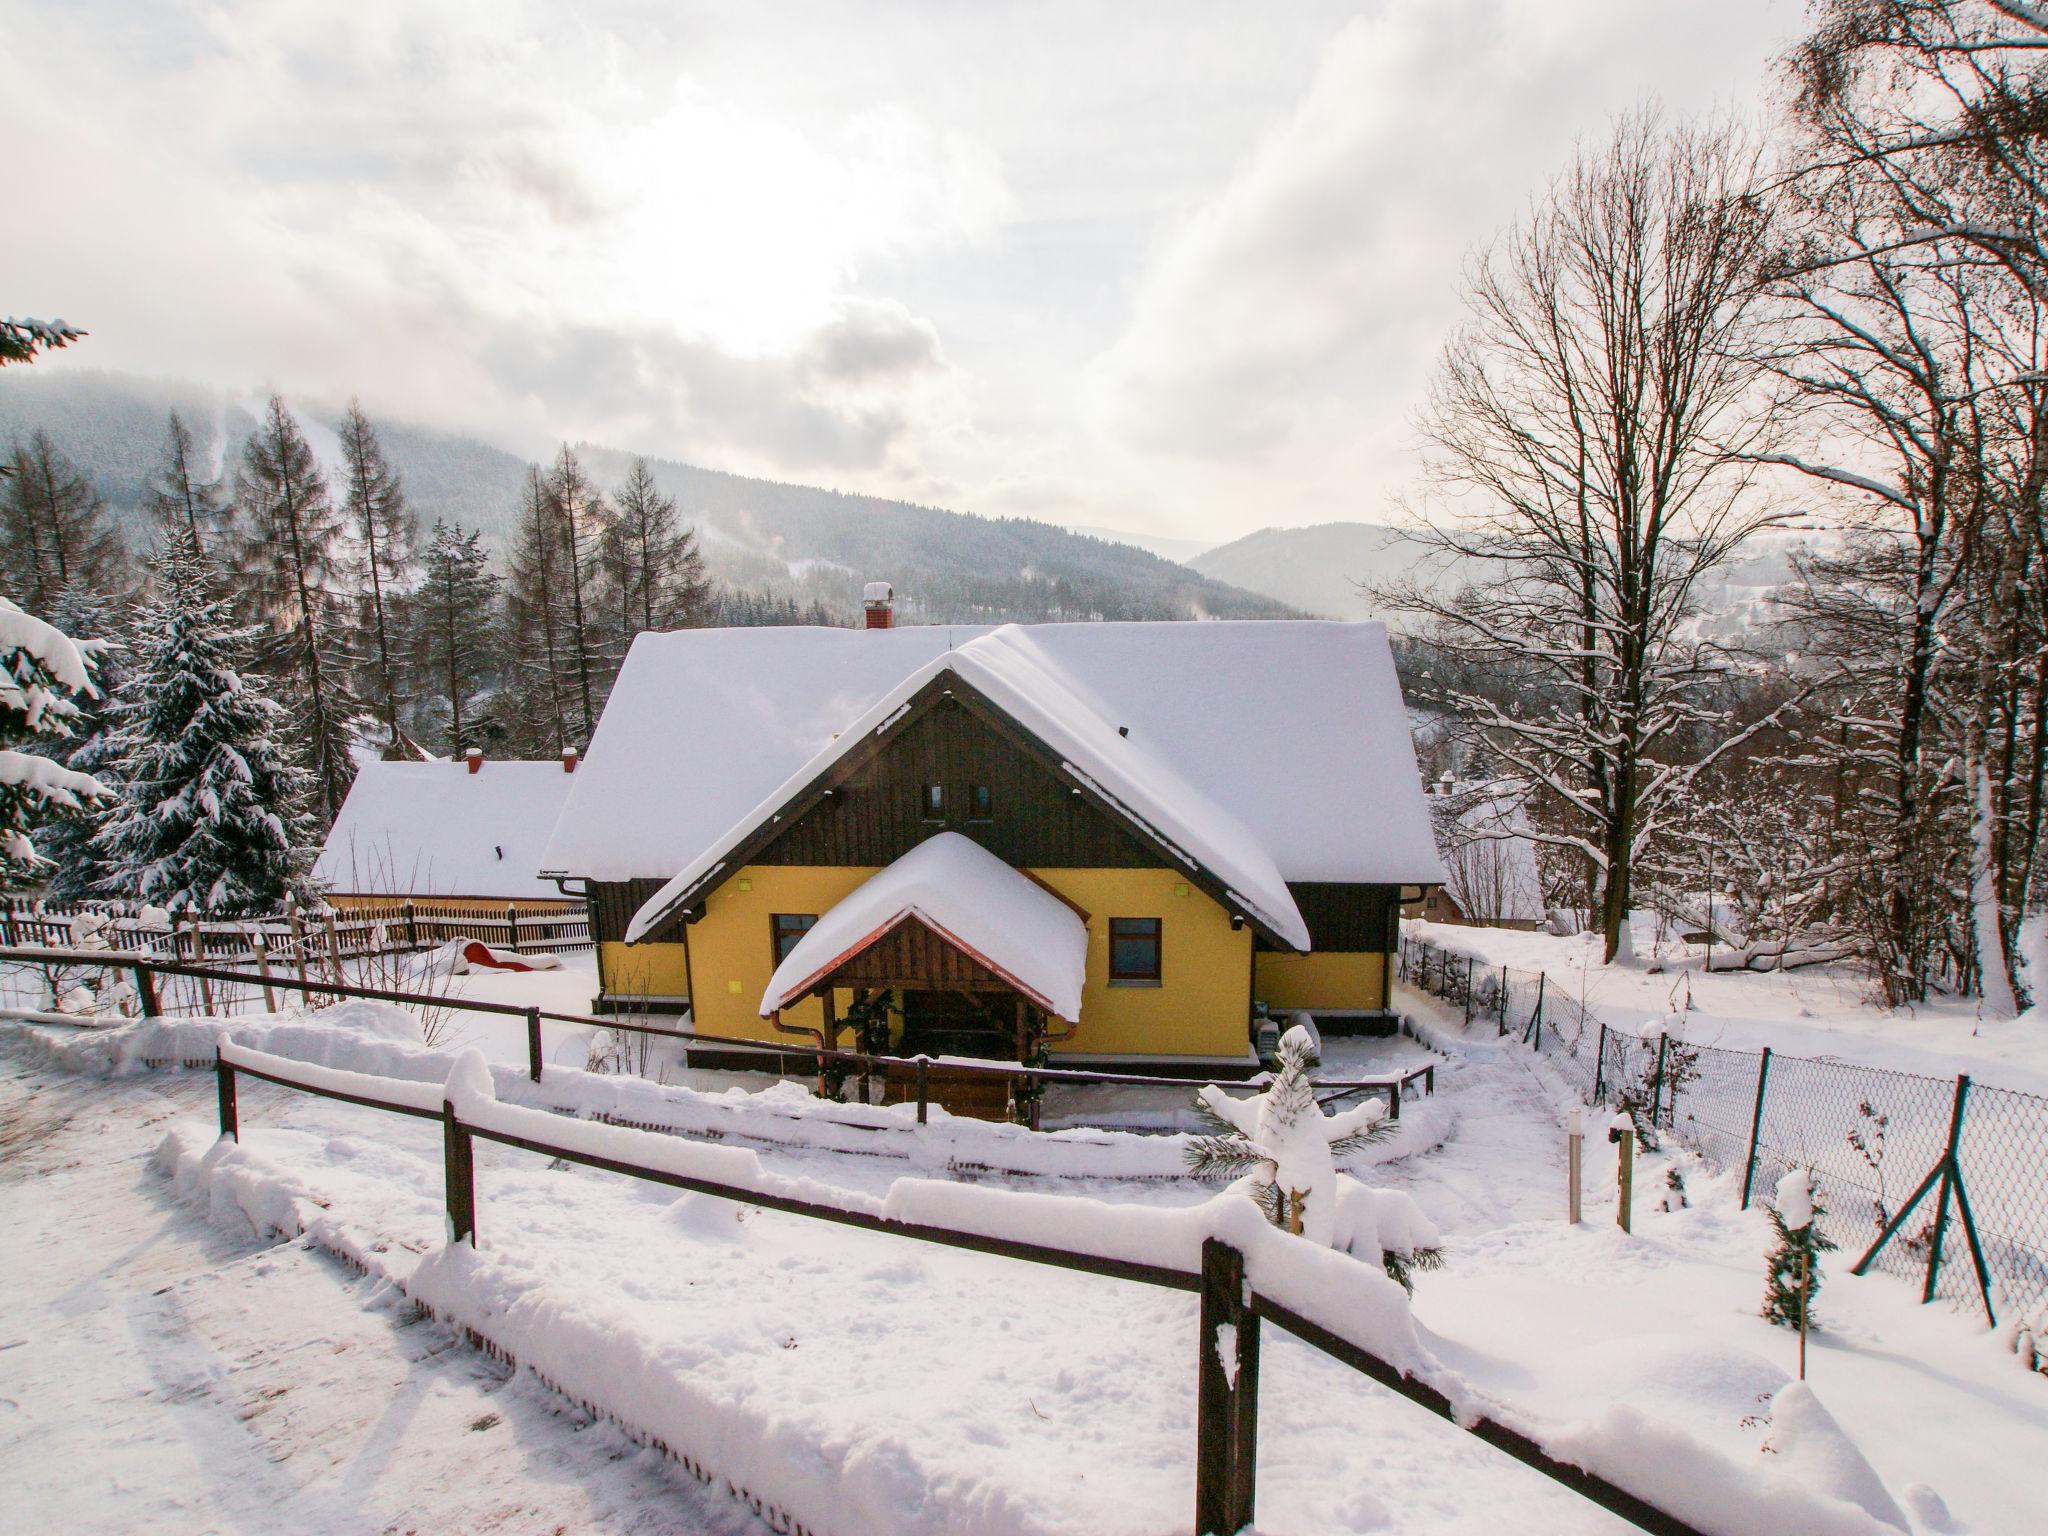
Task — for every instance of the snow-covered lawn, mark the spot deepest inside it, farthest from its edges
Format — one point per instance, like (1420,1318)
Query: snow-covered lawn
(1819,1011)
(928,1389)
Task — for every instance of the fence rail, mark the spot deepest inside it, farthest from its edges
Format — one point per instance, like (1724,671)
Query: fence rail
(1903,1160)
(1227,1391)
(150,972)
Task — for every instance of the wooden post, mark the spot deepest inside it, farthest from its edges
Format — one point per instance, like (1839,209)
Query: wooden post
(333,945)
(512,923)
(458,1162)
(1625,1181)
(1394,1100)
(1227,1397)
(1574,1158)
(224,1080)
(7,917)
(1948,1180)
(199,958)
(412,925)
(263,969)
(1805,1302)
(298,922)
(1756,1123)
(533,1043)
(828,1036)
(146,1005)
(923,1064)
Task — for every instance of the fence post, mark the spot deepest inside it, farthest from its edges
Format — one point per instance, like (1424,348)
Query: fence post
(1468,991)
(145,993)
(1600,1068)
(224,1080)
(199,958)
(1503,1000)
(298,922)
(1948,1179)
(412,925)
(333,946)
(512,923)
(533,1043)
(923,1064)
(1536,1018)
(458,1161)
(7,917)
(1227,1397)
(1657,1081)
(1756,1125)
(263,969)
(1625,1181)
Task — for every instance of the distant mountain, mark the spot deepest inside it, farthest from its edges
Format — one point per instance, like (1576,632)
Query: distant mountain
(1182,550)
(1317,569)
(788,540)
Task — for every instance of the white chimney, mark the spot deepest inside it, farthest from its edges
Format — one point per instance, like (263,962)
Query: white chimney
(878,605)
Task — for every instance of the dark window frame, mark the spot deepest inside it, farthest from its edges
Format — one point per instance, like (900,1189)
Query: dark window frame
(932,802)
(790,926)
(1125,930)
(981,803)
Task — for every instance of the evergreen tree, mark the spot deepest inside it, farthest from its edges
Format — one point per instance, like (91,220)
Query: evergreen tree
(579,512)
(536,614)
(1795,1255)
(43,671)
(454,612)
(177,494)
(213,809)
(67,840)
(54,529)
(653,570)
(385,537)
(289,556)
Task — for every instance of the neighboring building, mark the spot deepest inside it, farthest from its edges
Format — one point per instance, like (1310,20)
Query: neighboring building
(1491,878)
(458,834)
(1154,827)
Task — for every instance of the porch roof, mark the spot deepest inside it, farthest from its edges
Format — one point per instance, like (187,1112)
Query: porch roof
(973,901)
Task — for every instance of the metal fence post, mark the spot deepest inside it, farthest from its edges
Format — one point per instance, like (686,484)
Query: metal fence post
(1227,1397)
(1503,1000)
(224,1080)
(1536,1018)
(533,1043)
(1948,1180)
(1756,1125)
(458,1162)
(1657,1081)
(1600,1068)
(1468,991)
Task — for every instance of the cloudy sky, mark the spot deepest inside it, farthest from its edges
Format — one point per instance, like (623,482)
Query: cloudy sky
(1179,268)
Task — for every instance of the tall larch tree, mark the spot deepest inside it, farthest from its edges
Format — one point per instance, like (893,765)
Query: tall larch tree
(579,510)
(384,538)
(289,557)
(454,613)
(653,570)
(181,491)
(54,529)
(537,623)
(213,811)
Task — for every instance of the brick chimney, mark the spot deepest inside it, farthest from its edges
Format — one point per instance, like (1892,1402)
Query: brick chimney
(878,605)
(475,758)
(568,759)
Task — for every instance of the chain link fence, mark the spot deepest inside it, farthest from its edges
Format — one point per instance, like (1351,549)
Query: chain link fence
(1942,1182)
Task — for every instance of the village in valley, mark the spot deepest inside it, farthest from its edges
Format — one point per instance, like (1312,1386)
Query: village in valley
(1426,915)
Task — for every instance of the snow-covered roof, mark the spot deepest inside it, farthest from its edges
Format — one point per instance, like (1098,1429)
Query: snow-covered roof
(970,898)
(1284,744)
(436,829)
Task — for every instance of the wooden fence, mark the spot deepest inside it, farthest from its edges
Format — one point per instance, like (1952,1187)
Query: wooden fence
(1227,1390)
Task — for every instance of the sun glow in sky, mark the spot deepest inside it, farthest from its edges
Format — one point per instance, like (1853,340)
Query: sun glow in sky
(1177,267)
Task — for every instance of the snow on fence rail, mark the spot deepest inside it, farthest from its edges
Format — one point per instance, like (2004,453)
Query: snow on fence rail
(1244,1270)
(1903,1160)
(915,1071)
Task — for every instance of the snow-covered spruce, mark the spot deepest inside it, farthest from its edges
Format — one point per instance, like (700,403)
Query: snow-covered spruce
(43,672)
(212,812)
(1795,1256)
(1284,1149)
(67,840)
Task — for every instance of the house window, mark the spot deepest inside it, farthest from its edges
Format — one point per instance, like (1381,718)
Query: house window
(1134,951)
(787,928)
(935,802)
(980,805)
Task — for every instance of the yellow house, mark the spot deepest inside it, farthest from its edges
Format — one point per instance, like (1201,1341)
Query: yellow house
(1116,842)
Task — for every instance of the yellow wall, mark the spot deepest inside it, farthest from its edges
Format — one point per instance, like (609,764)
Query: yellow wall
(1330,979)
(642,970)
(1200,1009)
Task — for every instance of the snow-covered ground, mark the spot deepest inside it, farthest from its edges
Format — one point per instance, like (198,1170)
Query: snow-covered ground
(1818,1011)
(927,1389)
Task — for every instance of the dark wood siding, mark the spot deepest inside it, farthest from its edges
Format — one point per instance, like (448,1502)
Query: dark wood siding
(877,816)
(1348,917)
(910,954)
(613,903)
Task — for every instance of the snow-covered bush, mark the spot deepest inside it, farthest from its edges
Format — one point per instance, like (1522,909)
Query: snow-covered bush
(1283,1149)
(1794,1261)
